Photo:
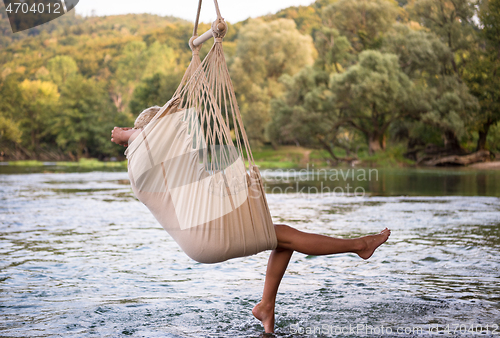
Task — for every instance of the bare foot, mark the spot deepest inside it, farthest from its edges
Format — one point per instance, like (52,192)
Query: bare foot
(372,242)
(266,315)
(121,135)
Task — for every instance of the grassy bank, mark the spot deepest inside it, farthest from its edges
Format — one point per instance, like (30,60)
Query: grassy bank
(85,163)
(284,157)
(299,157)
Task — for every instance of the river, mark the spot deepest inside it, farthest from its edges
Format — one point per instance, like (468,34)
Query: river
(81,257)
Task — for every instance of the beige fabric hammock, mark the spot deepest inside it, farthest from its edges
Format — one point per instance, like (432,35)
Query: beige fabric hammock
(193,168)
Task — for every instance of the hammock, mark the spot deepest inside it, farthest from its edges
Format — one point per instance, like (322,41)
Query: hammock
(193,168)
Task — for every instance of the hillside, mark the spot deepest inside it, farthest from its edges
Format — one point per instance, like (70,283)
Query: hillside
(335,76)
(76,24)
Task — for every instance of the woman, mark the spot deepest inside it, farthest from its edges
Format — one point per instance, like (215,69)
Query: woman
(288,241)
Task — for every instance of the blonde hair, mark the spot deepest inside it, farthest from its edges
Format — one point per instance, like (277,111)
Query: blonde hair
(146,116)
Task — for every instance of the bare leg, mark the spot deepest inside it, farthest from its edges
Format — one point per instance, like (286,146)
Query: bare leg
(264,311)
(317,245)
(289,240)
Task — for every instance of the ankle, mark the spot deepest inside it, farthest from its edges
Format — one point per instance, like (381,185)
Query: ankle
(265,306)
(360,244)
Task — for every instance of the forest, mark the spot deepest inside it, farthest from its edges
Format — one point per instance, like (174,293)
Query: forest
(346,78)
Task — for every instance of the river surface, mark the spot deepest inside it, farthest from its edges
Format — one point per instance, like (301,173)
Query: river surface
(81,257)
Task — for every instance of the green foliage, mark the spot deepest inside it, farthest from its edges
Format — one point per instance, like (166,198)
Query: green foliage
(482,72)
(65,84)
(307,18)
(372,94)
(421,54)
(452,21)
(154,90)
(339,76)
(10,95)
(83,124)
(389,158)
(305,114)
(9,131)
(61,68)
(363,22)
(334,50)
(494,139)
(283,157)
(83,163)
(137,62)
(489,15)
(441,99)
(266,51)
(39,103)
(451,106)
(421,134)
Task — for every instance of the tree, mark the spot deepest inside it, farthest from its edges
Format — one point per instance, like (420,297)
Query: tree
(307,18)
(9,131)
(334,50)
(441,100)
(10,100)
(61,69)
(421,54)
(40,100)
(266,51)
(10,96)
(154,90)
(363,22)
(371,95)
(305,114)
(475,56)
(138,62)
(451,108)
(482,77)
(452,21)
(489,15)
(482,71)
(83,124)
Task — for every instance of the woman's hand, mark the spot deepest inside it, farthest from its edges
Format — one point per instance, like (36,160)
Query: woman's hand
(121,135)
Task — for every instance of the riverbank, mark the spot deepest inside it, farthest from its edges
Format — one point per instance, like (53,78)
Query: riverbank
(495,165)
(82,165)
(287,157)
(283,157)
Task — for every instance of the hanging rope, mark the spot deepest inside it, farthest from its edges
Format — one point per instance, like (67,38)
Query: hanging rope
(217,10)
(219,26)
(195,30)
(192,165)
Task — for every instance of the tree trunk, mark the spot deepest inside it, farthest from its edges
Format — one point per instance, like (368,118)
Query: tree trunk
(117,101)
(374,143)
(451,142)
(33,139)
(327,147)
(483,133)
(34,145)
(480,156)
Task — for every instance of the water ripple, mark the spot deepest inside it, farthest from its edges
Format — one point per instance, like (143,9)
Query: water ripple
(80,256)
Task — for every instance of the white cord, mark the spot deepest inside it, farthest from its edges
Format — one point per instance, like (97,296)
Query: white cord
(64,6)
